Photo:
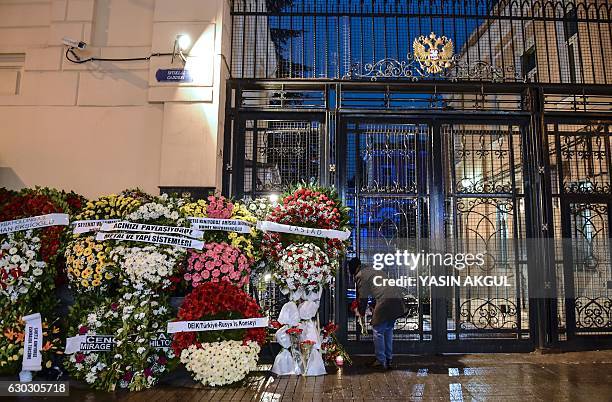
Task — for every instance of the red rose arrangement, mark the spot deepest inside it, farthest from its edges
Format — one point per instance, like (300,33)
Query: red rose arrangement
(307,206)
(49,240)
(217,301)
(217,262)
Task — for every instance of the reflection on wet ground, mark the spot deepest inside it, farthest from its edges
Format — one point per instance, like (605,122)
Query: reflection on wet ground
(585,376)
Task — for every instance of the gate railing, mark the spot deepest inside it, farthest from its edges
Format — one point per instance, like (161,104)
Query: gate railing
(566,42)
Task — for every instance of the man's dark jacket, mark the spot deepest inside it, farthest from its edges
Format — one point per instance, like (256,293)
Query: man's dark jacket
(389,299)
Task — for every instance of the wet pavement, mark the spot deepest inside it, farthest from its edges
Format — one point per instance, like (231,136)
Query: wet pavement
(580,376)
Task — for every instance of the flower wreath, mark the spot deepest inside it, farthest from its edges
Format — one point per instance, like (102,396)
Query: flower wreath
(223,208)
(88,261)
(227,256)
(303,268)
(219,357)
(12,337)
(312,207)
(41,201)
(154,266)
(260,208)
(134,363)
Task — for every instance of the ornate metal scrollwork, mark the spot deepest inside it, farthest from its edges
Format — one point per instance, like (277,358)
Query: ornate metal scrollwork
(496,313)
(386,68)
(578,151)
(483,71)
(466,205)
(594,313)
(389,68)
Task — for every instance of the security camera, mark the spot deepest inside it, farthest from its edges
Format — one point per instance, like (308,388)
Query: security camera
(73,43)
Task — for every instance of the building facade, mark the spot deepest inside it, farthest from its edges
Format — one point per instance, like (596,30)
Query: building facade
(442,124)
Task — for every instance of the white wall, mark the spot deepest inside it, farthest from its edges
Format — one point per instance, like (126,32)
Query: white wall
(104,126)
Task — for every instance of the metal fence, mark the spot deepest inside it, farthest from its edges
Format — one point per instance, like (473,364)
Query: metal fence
(488,40)
(455,121)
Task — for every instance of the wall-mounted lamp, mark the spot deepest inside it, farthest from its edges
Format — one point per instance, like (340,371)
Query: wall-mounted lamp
(181,43)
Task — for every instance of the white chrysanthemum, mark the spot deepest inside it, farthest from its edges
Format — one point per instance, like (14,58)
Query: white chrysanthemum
(146,266)
(221,363)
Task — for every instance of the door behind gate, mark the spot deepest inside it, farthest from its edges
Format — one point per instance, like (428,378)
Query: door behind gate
(432,185)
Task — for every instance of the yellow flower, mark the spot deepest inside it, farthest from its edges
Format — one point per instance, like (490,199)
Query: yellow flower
(85,283)
(97,277)
(95,283)
(86,273)
(108,276)
(196,209)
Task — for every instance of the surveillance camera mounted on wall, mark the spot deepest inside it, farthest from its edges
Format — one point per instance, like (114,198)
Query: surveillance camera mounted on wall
(73,43)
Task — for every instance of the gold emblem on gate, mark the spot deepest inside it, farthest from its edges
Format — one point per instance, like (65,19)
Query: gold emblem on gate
(433,53)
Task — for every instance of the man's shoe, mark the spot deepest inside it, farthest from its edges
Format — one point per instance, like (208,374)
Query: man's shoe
(376,365)
(389,365)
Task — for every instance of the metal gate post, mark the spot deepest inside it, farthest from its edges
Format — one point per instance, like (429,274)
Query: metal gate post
(340,307)
(439,295)
(540,248)
(226,167)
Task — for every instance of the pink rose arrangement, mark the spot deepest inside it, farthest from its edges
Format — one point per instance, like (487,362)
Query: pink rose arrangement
(219,207)
(217,262)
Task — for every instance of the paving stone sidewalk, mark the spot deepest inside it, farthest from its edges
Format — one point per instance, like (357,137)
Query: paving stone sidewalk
(577,376)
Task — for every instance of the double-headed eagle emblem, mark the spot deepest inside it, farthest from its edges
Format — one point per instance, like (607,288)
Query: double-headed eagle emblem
(433,53)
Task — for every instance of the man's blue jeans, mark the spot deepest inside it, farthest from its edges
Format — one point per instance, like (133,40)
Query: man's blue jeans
(383,341)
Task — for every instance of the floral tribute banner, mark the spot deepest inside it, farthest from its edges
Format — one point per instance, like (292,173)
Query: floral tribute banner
(33,235)
(304,231)
(304,241)
(216,325)
(122,291)
(224,356)
(227,255)
(125,255)
(34,222)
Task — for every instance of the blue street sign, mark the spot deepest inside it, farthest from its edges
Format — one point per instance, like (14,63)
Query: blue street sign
(173,75)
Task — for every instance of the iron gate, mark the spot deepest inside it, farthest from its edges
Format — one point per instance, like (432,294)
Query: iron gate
(505,143)
(390,185)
